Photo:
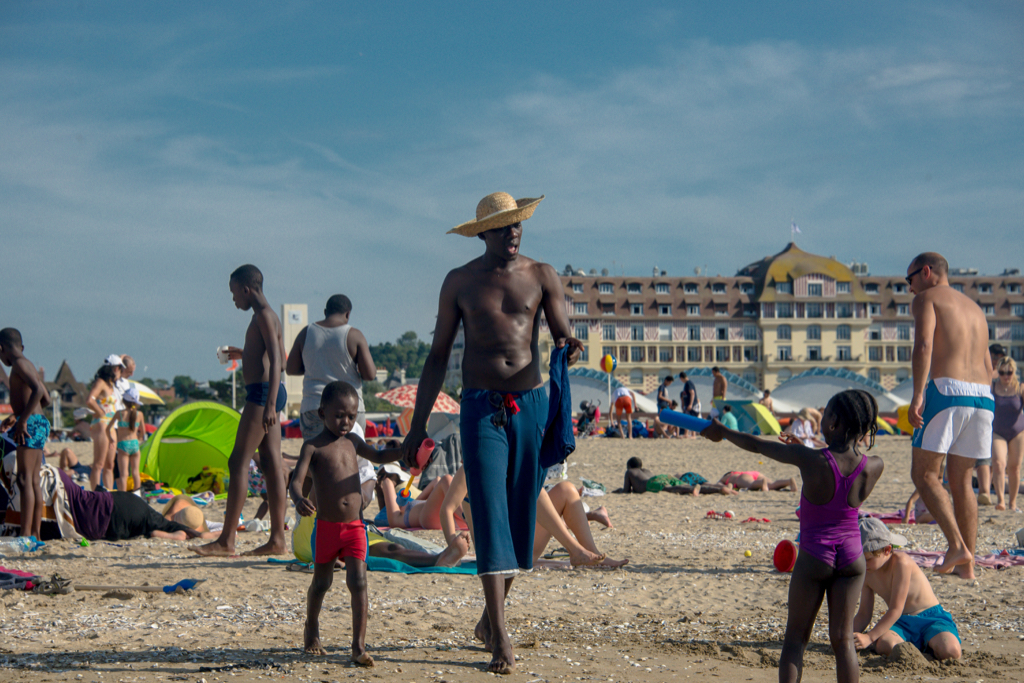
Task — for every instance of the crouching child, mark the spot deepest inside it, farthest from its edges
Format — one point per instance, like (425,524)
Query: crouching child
(914,613)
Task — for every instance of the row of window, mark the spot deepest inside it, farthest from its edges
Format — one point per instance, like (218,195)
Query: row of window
(636,332)
(664,288)
(813,332)
(813,288)
(664,310)
(684,354)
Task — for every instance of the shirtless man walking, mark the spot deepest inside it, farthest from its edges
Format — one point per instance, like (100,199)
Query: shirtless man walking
(498,298)
(952,406)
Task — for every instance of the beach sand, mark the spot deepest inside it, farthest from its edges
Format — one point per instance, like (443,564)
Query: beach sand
(689,605)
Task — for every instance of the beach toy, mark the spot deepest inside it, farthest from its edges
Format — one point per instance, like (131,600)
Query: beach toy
(183,585)
(784,556)
(728,514)
(84,543)
(747,553)
(422,458)
(608,363)
(683,421)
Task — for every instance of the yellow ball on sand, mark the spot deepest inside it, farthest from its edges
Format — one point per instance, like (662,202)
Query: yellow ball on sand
(747,553)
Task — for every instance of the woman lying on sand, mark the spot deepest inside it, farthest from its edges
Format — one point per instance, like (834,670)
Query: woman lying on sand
(558,511)
(639,480)
(421,512)
(755,481)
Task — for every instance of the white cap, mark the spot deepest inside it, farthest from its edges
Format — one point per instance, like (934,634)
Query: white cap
(131,395)
(391,468)
(114,359)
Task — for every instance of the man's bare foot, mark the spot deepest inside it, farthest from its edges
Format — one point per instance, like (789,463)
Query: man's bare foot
(362,659)
(482,632)
(955,559)
(728,490)
(600,515)
(311,636)
(608,562)
(696,490)
(586,558)
(1000,506)
(964,571)
(503,661)
(213,549)
(268,548)
(453,554)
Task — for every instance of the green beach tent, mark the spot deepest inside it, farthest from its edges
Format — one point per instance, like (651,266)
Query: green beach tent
(194,436)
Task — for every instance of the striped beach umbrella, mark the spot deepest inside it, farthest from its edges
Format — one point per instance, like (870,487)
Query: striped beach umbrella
(405,397)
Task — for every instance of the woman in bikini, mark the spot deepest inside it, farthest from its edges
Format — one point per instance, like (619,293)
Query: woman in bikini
(130,431)
(755,481)
(421,512)
(1007,433)
(102,403)
(837,481)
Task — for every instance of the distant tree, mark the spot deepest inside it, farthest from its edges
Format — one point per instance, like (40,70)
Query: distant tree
(407,352)
(148,382)
(183,385)
(223,389)
(374,404)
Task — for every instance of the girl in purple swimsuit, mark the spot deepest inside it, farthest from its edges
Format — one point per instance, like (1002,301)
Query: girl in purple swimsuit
(837,480)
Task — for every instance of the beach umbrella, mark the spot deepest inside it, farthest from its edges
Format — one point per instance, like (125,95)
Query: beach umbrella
(750,415)
(884,427)
(147,395)
(405,397)
(903,419)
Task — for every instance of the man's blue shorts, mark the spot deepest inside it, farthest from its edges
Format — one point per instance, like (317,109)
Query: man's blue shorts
(259,392)
(503,474)
(38,431)
(920,628)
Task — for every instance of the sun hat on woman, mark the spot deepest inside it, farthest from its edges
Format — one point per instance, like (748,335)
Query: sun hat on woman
(497,210)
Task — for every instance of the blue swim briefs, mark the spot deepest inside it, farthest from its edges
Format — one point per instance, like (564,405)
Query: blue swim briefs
(257,393)
(920,628)
(38,431)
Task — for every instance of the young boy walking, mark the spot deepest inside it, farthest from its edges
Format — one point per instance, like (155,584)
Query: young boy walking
(30,428)
(262,361)
(338,532)
(914,613)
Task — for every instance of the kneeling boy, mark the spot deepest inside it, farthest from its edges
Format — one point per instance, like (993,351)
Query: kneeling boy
(914,613)
(339,533)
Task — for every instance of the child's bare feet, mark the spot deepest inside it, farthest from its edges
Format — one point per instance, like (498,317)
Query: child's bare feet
(312,641)
(600,515)
(585,558)
(268,548)
(696,490)
(608,562)
(453,554)
(362,658)
(213,549)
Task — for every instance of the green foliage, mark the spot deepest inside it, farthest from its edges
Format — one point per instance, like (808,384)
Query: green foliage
(374,404)
(223,389)
(183,385)
(407,352)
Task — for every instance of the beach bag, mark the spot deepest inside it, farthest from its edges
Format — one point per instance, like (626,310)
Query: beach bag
(209,479)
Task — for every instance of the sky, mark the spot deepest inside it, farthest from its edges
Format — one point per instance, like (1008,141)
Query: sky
(148,149)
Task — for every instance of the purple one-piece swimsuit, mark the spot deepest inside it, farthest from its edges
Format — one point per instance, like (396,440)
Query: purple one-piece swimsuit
(830,532)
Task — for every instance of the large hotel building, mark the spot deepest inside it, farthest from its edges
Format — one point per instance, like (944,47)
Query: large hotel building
(774,319)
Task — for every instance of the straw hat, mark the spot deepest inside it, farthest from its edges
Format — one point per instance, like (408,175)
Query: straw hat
(496,211)
(192,517)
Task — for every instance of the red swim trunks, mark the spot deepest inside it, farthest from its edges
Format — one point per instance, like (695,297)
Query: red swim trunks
(332,540)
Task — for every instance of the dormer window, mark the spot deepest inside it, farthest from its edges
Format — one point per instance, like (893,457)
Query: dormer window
(871,288)
(747,288)
(958,287)
(634,288)
(784,287)
(718,288)
(577,288)
(606,288)
(984,288)
(691,288)
(662,288)
(842,288)
(899,288)
(1013,288)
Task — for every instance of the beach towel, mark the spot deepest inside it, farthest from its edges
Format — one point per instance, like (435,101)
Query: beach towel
(380,564)
(558,442)
(13,579)
(54,497)
(932,558)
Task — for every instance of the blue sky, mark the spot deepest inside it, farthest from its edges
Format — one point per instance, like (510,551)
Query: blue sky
(147,149)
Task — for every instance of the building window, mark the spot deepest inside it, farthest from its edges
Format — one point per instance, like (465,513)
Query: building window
(988,309)
(636,376)
(607,351)
(637,354)
(636,332)
(844,353)
(843,333)
(582,331)
(718,288)
(665,332)
(875,333)
(606,288)
(784,332)
(721,309)
(750,332)
(722,354)
(680,354)
(1017,310)
(693,332)
(984,288)
(749,310)
(785,352)
(871,288)
(652,354)
(899,288)
(958,287)
(784,287)
(664,309)
(585,356)
(722,333)
(813,310)
(577,288)
(813,353)
(991,332)
(903,332)
(784,310)
(691,288)
(814,332)
(874,375)
(693,354)
(902,309)
(665,354)
(636,309)
(842,288)
(661,288)
(813,289)
(750,354)
(844,310)
(747,288)
(607,309)
(634,288)
(904,353)
(874,309)
(1013,288)
(693,309)
(890,354)
(608,332)
(1016,331)
(1017,353)
(875,354)
(579,308)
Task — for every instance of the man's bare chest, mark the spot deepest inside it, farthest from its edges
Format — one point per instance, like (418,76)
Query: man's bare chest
(514,298)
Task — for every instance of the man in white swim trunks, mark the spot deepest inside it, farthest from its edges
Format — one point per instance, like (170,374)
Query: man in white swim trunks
(952,406)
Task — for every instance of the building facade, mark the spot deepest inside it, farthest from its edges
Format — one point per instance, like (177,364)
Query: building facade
(774,319)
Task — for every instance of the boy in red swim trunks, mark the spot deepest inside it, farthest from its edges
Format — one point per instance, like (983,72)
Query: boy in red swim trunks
(330,457)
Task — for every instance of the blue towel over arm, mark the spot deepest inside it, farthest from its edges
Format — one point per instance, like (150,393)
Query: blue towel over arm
(559,441)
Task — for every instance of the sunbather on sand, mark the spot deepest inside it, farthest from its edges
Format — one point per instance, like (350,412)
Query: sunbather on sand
(558,512)
(424,512)
(640,480)
(755,481)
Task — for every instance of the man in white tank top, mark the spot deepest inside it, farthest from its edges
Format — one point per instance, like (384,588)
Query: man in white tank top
(326,351)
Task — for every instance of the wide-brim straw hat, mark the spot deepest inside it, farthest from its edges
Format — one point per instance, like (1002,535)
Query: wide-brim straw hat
(496,211)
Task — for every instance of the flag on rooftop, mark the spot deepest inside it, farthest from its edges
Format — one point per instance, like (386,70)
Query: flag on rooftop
(795,228)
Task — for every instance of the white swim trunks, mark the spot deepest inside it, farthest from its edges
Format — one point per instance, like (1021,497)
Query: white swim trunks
(957,419)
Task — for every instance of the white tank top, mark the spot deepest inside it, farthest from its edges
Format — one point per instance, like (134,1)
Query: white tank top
(326,359)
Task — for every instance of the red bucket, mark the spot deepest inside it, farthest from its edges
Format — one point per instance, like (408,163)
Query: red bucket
(784,557)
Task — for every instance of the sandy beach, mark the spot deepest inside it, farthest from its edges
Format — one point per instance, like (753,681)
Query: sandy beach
(689,604)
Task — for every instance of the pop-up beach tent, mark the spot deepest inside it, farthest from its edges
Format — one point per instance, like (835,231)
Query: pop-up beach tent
(194,436)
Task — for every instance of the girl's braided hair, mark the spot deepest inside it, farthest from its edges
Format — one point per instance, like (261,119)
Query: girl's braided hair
(857,411)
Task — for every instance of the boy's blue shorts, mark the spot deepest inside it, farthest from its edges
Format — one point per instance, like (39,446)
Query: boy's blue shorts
(920,628)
